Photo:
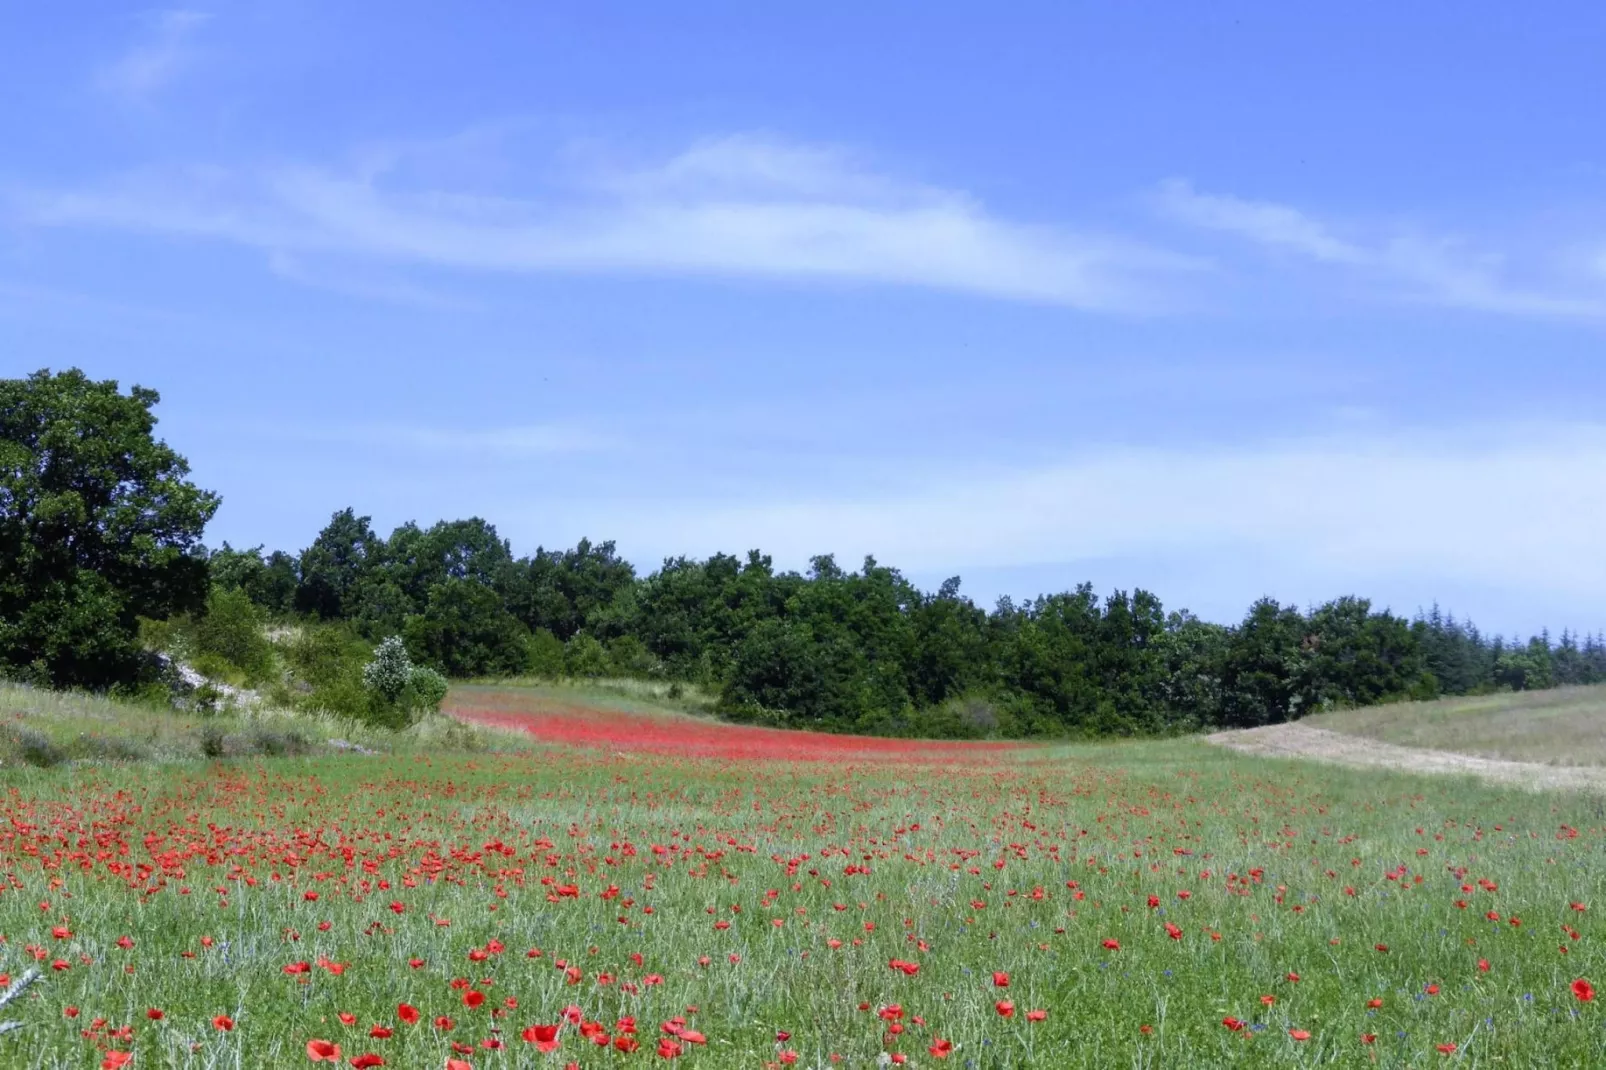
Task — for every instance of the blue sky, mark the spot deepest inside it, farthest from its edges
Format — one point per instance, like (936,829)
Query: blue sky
(1220,300)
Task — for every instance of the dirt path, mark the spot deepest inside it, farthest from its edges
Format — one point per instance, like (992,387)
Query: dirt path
(1301,741)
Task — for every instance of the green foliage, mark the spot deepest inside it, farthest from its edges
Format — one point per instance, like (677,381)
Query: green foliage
(545,653)
(231,631)
(465,631)
(428,689)
(585,656)
(98,527)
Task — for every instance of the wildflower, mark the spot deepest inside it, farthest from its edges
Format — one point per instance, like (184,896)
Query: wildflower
(321,1051)
(1000,979)
(407,1013)
(1583,991)
(544,1037)
(223,1023)
(940,1048)
(1039,1015)
(1299,1034)
(1005,1008)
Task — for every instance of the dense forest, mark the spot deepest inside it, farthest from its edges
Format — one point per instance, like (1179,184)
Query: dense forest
(100,551)
(866,650)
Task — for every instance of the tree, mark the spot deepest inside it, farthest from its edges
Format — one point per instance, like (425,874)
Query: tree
(98,527)
(334,566)
(465,631)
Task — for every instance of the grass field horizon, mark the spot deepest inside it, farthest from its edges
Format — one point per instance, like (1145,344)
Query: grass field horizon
(616,902)
(1561,726)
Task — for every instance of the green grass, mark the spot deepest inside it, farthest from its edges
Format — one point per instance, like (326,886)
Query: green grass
(1565,726)
(46,728)
(1289,863)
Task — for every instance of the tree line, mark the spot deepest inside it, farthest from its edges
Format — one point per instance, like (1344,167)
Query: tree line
(100,529)
(866,650)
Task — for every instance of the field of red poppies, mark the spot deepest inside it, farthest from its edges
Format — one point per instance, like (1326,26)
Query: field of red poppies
(645,890)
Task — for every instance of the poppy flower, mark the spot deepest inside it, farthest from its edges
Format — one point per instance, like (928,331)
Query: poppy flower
(1005,1008)
(1368,1038)
(458,1064)
(473,998)
(366,1060)
(1112,945)
(380,1032)
(321,1051)
(1036,1016)
(1000,979)
(223,1023)
(668,1049)
(1583,990)
(544,1037)
(407,1013)
(1444,1049)
(155,1015)
(1299,1034)
(941,1049)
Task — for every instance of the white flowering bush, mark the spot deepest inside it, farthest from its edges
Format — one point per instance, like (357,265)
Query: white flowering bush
(389,673)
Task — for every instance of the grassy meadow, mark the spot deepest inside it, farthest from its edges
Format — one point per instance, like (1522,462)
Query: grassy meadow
(1154,904)
(1562,726)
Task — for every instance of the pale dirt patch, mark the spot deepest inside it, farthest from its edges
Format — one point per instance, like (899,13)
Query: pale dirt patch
(1302,741)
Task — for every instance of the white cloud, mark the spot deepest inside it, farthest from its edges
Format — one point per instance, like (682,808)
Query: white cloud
(501,443)
(1432,269)
(163,51)
(740,207)
(1522,508)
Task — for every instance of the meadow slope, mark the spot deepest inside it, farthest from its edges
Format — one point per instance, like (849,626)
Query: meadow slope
(609,901)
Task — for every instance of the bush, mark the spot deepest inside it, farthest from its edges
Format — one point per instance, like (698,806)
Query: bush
(584,656)
(428,688)
(545,654)
(388,674)
(232,630)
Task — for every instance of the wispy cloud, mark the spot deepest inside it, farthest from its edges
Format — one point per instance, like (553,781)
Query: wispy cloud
(1416,267)
(165,46)
(736,207)
(363,284)
(506,443)
(1369,504)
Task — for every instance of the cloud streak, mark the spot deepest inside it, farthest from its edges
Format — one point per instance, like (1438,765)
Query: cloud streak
(1524,505)
(1426,269)
(151,64)
(736,207)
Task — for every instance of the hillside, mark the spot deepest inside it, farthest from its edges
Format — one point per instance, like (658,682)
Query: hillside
(1564,726)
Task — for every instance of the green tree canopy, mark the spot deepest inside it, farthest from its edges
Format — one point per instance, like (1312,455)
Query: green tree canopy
(98,527)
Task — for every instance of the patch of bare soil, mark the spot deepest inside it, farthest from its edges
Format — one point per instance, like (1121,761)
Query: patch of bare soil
(1302,741)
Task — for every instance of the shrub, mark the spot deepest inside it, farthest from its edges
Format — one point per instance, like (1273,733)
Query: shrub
(545,654)
(390,671)
(232,630)
(584,656)
(428,688)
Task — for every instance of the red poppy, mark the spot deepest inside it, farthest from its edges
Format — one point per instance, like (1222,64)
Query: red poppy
(1299,1034)
(1444,1049)
(321,1051)
(940,1049)
(115,1059)
(155,1015)
(458,1064)
(544,1037)
(1036,1016)
(1000,979)
(366,1060)
(1005,1008)
(473,998)
(223,1023)
(407,1013)
(1583,990)
(1112,945)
